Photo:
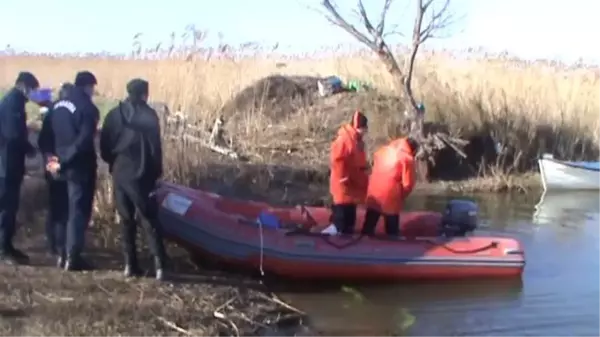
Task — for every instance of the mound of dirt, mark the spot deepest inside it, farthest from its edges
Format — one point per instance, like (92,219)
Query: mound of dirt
(275,96)
(278,97)
(385,112)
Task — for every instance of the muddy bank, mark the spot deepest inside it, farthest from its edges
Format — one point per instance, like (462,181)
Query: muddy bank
(41,300)
(297,183)
(294,122)
(44,301)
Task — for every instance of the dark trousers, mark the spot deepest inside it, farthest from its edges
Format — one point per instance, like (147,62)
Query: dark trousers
(58,213)
(132,196)
(80,191)
(344,217)
(391,221)
(10,190)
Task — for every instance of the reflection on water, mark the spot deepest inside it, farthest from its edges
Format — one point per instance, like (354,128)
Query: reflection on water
(558,293)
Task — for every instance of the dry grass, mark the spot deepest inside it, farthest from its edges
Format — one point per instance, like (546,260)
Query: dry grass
(40,301)
(530,107)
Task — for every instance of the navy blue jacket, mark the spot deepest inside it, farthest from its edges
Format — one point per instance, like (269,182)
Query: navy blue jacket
(74,121)
(45,140)
(14,137)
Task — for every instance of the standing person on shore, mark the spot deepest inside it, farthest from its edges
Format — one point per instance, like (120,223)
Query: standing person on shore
(74,122)
(58,196)
(348,178)
(392,180)
(14,146)
(130,143)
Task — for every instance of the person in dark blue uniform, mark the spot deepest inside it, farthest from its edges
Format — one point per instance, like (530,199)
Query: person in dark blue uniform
(74,121)
(14,146)
(130,142)
(58,207)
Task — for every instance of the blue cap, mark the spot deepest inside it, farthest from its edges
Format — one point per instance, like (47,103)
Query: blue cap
(421,107)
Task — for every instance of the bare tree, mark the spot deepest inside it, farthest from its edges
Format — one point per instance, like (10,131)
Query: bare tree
(429,22)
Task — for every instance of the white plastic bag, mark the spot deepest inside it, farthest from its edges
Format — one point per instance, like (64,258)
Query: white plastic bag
(331,230)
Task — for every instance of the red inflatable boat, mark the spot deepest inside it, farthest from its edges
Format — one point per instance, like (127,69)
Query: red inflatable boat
(288,241)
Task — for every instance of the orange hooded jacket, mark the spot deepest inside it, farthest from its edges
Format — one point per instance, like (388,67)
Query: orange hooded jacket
(392,177)
(349,178)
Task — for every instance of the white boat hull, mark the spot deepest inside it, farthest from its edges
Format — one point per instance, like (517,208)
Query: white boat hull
(564,175)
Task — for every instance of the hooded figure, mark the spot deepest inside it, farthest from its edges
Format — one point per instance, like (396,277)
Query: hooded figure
(392,180)
(14,146)
(130,143)
(348,178)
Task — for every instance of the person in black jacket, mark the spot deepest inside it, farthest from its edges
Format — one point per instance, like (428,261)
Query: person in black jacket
(74,122)
(58,207)
(14,146)
(130,142)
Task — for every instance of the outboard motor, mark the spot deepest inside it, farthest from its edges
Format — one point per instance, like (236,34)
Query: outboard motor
(460,218)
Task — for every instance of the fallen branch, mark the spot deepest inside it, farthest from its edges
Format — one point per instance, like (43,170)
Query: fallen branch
(106,291)
(213,147)
(273,298)
(173,326)
(450,143)
(53,298)
(245,318)
(213,138)
(221,316)
(228,302)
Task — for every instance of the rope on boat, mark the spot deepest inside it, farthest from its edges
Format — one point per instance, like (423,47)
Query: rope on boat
(262,248)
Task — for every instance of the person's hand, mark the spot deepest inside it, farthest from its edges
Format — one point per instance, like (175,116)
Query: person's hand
(53,166)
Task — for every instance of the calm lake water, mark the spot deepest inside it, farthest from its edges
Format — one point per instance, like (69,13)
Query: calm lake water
(557,295)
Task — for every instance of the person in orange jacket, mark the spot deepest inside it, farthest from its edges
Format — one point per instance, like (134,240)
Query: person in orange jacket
(349,179)
(392,180)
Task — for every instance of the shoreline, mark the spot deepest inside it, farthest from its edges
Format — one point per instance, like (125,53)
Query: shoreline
(509,183)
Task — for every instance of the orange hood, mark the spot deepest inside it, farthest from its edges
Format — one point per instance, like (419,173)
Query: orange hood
(403,145)
(347,131)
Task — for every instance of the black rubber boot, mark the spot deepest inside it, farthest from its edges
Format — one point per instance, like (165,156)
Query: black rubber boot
(60,261)
(132,268)
(77,263)
(160,268)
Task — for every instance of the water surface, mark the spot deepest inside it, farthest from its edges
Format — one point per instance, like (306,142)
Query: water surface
(557,295)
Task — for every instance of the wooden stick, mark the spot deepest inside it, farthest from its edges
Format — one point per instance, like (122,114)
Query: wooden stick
(228,302)
(273,298)
(174,326)
(221,316)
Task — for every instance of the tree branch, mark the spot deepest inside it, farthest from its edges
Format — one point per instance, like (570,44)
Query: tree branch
(336,19)
(439,20)
(374,39)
